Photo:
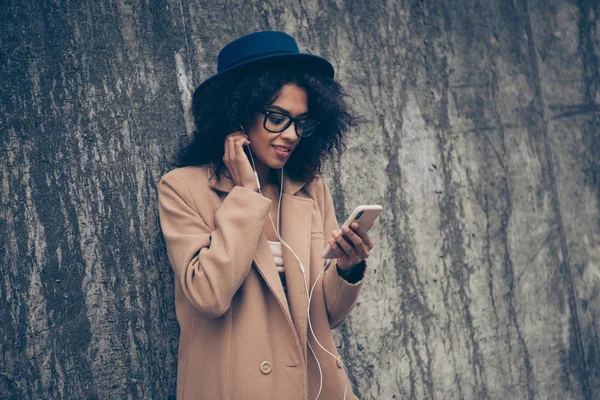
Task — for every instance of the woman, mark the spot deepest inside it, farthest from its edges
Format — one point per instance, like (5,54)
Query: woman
(245,241)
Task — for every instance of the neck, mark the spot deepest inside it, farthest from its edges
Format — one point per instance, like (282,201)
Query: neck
(266,175)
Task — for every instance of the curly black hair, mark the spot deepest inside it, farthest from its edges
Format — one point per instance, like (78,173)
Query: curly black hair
(223,104)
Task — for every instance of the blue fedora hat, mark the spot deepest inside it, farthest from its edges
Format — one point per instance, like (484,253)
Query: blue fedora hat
(267,47)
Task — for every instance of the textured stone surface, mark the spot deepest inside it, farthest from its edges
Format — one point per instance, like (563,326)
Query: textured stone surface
(481,141)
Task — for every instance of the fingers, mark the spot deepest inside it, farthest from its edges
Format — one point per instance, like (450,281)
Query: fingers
(349,254)
(236,138)
(237,163)
(362,233)
(350,244)
(356,242)
(233,145)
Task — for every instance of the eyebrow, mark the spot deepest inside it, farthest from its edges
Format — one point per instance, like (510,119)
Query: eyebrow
(286,112)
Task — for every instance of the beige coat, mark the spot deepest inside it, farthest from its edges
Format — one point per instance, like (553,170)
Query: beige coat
(241,338)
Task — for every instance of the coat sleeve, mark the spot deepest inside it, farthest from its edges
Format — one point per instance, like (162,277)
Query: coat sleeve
(209,264)
(340,295)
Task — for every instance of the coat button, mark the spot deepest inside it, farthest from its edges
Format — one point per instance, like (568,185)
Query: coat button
(265,367)
(339,362)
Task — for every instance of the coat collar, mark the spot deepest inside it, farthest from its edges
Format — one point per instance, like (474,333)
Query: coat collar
(224,184)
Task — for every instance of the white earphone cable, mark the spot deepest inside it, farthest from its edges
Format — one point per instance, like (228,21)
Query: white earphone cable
(308,293)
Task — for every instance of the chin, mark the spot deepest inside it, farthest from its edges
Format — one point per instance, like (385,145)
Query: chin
(277,164)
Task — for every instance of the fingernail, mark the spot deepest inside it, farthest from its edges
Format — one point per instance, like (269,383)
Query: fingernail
(345,229)
(355,224)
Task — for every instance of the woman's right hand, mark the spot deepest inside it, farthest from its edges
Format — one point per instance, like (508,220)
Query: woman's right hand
(237,162)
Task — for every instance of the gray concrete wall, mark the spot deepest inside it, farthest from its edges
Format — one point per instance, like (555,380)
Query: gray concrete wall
(481,141)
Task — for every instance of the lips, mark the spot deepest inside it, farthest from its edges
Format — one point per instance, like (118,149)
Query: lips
(282,151)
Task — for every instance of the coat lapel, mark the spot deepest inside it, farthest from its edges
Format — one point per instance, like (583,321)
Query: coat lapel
(296,215)
(295,230)
(263,259)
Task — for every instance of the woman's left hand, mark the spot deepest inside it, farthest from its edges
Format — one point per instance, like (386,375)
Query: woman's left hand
(355,244)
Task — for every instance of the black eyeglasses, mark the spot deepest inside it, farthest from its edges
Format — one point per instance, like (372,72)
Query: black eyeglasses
(277,122)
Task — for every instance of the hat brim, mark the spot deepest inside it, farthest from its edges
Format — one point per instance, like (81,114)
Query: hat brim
(315,65)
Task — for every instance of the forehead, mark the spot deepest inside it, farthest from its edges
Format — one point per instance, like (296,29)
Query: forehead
(292,98)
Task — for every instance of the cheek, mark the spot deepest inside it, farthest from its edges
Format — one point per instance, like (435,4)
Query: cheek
(255,126)
(259,138)
(257,141)
(255,134)
(257,123)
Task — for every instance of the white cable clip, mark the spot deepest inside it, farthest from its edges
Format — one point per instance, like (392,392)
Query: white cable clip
(257,180)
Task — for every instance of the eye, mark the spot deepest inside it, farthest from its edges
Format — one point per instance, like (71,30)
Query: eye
(277,119)
(307,124)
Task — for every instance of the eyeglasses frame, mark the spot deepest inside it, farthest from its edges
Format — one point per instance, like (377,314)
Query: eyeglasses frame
(291,120)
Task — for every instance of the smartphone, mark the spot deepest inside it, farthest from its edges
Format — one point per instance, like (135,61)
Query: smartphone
(365,215)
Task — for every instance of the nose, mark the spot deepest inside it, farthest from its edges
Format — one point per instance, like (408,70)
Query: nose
(289,133)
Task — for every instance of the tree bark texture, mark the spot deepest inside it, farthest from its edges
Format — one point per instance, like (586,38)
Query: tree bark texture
(481,140)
